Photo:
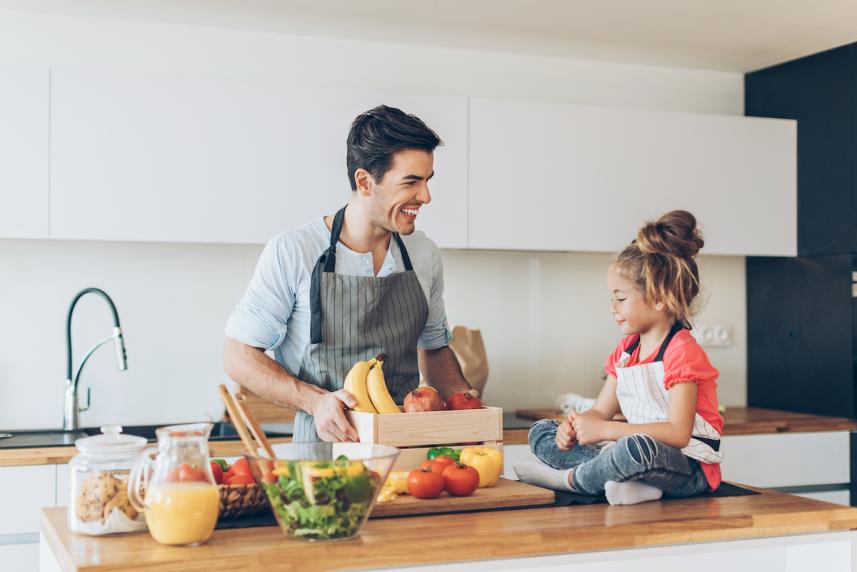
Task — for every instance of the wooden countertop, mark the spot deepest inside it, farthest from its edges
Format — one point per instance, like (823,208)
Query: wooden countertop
(61,455)
(739,421)
(749,421)
(459,537)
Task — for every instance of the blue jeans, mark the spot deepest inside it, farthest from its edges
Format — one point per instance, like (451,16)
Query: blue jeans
(634,458)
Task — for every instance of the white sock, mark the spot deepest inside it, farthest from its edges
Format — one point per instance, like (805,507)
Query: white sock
(630,492)
(542,475)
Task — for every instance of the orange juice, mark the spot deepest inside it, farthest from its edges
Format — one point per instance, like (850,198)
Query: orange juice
(182,513)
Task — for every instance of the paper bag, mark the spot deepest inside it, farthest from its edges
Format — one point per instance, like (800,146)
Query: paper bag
(470,351)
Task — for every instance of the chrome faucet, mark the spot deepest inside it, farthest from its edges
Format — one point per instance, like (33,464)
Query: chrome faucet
(71,408)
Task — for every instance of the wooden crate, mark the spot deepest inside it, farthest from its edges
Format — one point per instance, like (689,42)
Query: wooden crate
(415,433)
(429,428)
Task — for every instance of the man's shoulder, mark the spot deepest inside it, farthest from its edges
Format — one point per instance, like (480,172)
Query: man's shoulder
(309,235)
(418,240)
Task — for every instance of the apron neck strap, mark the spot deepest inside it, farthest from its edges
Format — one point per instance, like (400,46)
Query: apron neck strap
(327,263)
(676,328)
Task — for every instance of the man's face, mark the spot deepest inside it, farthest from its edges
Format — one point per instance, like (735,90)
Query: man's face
(396,200)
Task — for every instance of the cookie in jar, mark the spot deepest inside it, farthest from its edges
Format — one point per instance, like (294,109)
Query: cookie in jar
(99,484)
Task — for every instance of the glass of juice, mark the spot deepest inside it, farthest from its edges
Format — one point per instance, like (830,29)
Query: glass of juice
(172,485)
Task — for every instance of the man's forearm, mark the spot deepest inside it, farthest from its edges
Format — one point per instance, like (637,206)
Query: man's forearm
(251,368)
(442,371)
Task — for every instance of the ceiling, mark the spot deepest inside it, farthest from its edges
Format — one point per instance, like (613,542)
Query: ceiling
(729,35)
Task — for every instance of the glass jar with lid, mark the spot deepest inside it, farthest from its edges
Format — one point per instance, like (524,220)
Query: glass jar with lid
(99,501)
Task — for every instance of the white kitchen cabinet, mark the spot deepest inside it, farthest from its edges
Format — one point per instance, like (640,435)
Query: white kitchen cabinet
(563,177)
(515,454)
(788,459)
(23,151)
(23,491)
(20,557)
(183,159)
(63,487)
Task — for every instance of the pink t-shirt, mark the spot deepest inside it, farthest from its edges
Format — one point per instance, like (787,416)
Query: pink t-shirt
(684,361)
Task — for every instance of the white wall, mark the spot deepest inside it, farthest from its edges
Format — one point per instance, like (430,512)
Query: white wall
(544,316)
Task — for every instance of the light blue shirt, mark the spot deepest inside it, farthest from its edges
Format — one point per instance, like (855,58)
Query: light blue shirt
(274,313)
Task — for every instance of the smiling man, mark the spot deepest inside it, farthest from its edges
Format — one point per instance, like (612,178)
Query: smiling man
(348,286)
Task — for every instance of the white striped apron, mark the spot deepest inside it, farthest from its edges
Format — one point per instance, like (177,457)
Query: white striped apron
(357,317)
(644,399)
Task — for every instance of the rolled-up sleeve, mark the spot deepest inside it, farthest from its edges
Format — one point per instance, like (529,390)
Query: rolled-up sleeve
(436,332)
(260,318)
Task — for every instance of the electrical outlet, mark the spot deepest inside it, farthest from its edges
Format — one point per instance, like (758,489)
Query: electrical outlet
(713,335)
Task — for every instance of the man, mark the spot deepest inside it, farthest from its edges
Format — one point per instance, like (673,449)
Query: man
(346,287)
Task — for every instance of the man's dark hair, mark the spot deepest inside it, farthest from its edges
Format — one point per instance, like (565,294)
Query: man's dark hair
(378,134)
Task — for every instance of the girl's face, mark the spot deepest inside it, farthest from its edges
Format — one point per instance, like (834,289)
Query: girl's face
(632,312)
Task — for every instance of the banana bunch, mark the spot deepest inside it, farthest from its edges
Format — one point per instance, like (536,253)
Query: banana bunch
(366,383)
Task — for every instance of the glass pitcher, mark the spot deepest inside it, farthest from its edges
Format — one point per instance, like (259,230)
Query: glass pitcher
(174,487)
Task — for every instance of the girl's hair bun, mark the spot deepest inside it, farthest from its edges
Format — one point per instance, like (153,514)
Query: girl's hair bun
(674,234)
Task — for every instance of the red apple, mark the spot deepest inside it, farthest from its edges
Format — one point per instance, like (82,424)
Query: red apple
(463,401)
(423,398)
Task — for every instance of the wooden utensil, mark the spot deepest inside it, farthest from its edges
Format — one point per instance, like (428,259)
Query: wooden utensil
(254,426)
(239,419)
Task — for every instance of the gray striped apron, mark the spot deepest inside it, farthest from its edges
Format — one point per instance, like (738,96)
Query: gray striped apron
(644,399)
(357,317)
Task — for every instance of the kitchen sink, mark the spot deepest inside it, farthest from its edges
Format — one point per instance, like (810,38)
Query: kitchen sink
(222,431)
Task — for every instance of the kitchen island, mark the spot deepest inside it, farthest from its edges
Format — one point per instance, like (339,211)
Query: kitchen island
(770,531)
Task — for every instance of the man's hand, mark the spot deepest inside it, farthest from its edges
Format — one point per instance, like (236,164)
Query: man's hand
(589,429)
(565,435)
(330,421)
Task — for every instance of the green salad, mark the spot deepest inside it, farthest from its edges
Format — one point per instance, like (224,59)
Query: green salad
(322,499)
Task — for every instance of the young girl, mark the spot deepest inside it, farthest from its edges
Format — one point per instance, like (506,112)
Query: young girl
(658,376)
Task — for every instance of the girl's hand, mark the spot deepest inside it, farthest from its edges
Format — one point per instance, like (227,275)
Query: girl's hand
(588,429)
(565,436)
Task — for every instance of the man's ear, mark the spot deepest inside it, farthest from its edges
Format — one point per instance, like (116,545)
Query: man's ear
(365,182)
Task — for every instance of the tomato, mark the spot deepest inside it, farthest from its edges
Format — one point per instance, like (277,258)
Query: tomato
(185,473)
(460,480)
(434,466)
(241,479)
(446,460)
(217,471)
(425,484)
(241,467)
(269,478)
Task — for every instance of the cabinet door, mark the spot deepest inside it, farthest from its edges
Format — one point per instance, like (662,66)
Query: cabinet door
(23,151)
(562,177)
(140,157)
(787,459)
(23,491)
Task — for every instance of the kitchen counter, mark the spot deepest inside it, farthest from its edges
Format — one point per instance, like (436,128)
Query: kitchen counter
(465,537)
(739,421)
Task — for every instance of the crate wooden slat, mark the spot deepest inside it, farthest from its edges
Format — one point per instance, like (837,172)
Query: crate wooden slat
(430,428)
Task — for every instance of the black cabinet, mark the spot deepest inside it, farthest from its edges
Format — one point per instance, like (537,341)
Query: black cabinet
(820,91)
(801,312)
(802,334)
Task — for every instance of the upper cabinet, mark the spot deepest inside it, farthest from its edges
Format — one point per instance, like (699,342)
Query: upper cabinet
(140,157)
(563,177)
(24,93)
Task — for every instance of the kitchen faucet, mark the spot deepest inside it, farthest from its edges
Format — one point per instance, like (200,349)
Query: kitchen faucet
(71,408)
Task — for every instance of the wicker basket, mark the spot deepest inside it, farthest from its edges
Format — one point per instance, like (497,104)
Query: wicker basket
(241,500)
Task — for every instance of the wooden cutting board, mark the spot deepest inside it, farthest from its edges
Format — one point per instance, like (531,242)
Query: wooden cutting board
(505,494)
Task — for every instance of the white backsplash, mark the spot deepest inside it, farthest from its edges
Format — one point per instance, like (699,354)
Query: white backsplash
(544,317)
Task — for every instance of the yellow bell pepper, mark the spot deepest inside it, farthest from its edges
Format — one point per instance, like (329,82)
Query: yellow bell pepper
(487,461)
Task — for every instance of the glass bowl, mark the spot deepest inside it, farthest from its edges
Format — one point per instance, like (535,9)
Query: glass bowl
(324,491)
